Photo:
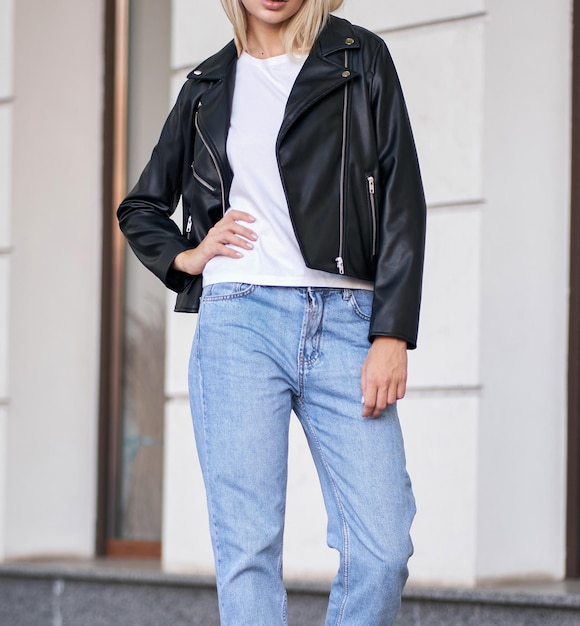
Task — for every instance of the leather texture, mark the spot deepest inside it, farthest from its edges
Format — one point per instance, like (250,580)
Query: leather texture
(348,164)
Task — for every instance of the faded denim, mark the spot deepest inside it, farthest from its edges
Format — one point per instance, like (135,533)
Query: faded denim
(259,353)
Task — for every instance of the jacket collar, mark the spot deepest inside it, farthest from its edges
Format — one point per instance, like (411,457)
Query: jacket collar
(216,66)
(323,71)
(338,34)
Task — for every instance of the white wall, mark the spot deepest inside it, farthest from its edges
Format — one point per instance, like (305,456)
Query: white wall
(399,14)
(55,278)
(441,69)
(6,58)
(524,292)
(488,92)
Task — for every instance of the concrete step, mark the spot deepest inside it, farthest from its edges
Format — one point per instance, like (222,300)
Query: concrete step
(112,593)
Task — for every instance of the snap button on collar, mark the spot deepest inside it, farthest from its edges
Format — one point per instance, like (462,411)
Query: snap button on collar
(349,41)
(197,72)
(345,74)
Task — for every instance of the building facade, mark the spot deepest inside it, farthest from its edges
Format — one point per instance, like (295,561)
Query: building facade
(84,88)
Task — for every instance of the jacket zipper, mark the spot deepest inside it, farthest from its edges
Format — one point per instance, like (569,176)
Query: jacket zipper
(201,180)
(339,259)
(213,158)
(371,183)
(188,227)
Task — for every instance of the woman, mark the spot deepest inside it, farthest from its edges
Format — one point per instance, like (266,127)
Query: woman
(303,220)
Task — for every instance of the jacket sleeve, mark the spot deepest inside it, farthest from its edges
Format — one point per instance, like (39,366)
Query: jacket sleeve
(144,215)
(402,209)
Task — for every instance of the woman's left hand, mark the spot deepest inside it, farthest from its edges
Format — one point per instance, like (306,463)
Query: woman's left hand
(383,378)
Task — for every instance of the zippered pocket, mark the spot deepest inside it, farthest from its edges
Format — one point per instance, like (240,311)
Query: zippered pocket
(188,227)
(212,156)
(373,209)
(202,181)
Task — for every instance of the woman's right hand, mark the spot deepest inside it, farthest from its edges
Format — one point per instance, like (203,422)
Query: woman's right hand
(226,231)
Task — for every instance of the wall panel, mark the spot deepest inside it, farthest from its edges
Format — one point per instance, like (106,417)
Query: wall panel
(6,51)
(6,93)
(5,174)
(4,334)
(380,16)
(524,293)
(186,540)
(441,71)
(55,278)
(3,446)
(448,344)
(440,432)
(200,28)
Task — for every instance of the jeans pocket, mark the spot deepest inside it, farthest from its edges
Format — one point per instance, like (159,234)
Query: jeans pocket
(226,291)
(361,301)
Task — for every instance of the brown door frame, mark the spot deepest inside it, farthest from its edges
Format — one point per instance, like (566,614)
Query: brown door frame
(114,185)
(573,518)
(114,182)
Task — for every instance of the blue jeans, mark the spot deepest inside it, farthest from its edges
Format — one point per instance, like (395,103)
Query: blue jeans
(258,353)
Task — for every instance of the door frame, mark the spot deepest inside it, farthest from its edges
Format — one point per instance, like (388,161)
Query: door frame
(573,514)
(114,184)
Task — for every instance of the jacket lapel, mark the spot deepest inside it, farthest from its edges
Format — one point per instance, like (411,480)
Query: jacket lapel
(215,105)
(323,71)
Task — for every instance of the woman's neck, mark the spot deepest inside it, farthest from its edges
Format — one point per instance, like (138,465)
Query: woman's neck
(265,40)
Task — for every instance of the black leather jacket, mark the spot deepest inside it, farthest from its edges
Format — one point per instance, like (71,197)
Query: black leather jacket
(348,166)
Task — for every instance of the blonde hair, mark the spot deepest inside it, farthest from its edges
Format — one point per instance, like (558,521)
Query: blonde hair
(301,31)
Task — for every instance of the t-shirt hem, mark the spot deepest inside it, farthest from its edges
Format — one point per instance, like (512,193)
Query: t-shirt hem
(332,281)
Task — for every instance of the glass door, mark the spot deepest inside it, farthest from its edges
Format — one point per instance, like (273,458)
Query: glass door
(133,345)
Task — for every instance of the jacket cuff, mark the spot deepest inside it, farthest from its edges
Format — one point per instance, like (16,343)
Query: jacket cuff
(175,280)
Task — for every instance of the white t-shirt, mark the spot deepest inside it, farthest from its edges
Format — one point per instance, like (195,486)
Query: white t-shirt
(260,96)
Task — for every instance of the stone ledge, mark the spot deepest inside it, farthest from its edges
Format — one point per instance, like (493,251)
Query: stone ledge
(557,595)
(564,594)
(100,592)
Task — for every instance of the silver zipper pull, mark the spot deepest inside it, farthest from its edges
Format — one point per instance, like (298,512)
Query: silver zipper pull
(188,227)
(371,180)
(340,264)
